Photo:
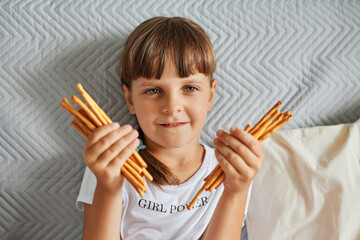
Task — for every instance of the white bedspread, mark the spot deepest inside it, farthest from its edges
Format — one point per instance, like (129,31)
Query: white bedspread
(309,186)
(305,53)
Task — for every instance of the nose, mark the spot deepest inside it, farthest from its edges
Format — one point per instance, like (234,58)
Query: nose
(172,103)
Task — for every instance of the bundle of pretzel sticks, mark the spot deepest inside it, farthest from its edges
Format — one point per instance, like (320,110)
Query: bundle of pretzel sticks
(272,121)
(87,119)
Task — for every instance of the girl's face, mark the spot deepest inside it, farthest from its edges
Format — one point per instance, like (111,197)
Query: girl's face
(171,110)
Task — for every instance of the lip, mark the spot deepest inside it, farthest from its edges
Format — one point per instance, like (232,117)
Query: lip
(173,125)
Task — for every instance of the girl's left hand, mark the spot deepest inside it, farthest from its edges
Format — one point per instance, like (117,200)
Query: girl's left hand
(240,156)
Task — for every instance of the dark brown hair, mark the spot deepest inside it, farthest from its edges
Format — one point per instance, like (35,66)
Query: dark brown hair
(145,52)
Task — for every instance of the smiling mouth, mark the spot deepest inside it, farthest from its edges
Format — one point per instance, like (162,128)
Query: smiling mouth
(173,125)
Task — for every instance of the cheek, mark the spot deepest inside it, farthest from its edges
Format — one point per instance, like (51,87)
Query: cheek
(199,110)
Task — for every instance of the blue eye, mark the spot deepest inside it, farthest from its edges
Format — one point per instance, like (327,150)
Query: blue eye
(191,89)
(152,91)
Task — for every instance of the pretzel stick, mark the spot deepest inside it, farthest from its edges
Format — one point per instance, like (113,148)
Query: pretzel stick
(83,126)
(91,103)
(203,188)
(137,188)
(67,106)
(80,130)
(134,173)
(212,173)
(282,123)
(88,112)
(192,203)
(218,181)
(134,165)
(147,174)
(287,113)
(82,112)
(131,178)
(139,160)
(265,124)
(274,123)
(276,106)
(212,179)
(101,112)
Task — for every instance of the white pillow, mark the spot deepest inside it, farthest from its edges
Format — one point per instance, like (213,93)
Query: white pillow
(309,185)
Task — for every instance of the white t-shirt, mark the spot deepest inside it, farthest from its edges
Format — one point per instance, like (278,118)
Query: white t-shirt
(163,213)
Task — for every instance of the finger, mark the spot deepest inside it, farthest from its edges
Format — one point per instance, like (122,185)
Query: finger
(120,159)
(117,147)
(238,147)
(228,158)
(106,141)
(99,133)
(252,143)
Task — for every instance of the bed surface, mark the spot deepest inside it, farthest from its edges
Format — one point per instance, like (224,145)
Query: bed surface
(305,53)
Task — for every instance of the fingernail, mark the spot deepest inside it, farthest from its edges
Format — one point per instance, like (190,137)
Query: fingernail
(115,125)
(220,132)
(127,127)
(233,129)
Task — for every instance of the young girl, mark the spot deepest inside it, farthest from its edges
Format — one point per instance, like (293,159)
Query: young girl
(166,69)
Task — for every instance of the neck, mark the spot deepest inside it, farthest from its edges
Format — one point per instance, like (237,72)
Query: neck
(182,161)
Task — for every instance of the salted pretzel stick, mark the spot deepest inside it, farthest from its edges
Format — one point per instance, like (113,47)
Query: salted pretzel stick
(213,178)
(132,179)
(137,188)
(265,124)
(83,126)
(147,174)
(101,112)
(68,107)
(140,170)
(218,181)
(88,112)
(273,124)
(210,180)
(135,174)
(212,173)
(287,113)
(192,203)
(273,109)
(93,105)
(82,112)
(280,124)
(80,130)
(139,160)
(134,165)
(247,128)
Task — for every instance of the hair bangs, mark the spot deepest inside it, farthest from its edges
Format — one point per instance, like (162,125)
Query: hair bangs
(159,40)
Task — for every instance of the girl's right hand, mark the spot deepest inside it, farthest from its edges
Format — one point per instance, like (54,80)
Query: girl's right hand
(106,150)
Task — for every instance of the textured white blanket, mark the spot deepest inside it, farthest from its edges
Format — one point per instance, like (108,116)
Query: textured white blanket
(309,186)
(305,53)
